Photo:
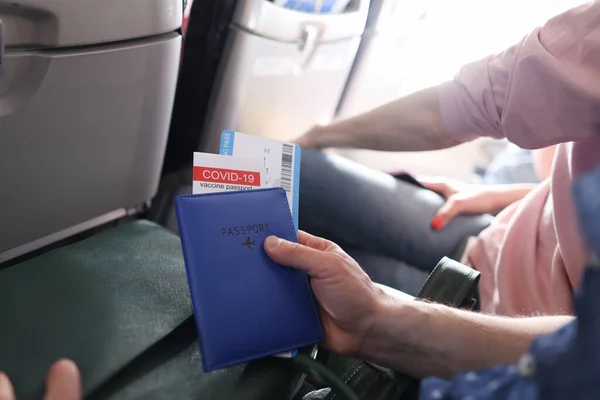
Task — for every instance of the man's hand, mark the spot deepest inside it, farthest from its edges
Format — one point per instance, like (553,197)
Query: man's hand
(362,320)
(309,139)
(347,297)
(63,383)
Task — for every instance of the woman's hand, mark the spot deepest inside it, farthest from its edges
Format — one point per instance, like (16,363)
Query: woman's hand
(63,383)
(464,198)
(461,198)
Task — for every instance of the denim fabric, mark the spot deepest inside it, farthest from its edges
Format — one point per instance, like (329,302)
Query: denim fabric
(511,165)
(383,222)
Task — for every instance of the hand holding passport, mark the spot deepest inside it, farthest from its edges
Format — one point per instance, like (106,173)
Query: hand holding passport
(246,306)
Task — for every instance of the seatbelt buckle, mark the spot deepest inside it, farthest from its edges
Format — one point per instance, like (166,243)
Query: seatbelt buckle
(471,304)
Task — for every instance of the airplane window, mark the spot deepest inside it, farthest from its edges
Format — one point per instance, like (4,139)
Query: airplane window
(443,35)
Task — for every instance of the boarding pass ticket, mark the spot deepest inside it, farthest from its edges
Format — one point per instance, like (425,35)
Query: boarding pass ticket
(280,161)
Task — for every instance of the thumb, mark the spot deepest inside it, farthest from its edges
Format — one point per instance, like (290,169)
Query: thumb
(445,214)
(64,382)
(295,255)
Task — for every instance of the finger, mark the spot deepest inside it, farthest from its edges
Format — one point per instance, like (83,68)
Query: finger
(445,214)
(314,242)
(296,255)
(64,382)
(428,180)
(434,185)
(6,389)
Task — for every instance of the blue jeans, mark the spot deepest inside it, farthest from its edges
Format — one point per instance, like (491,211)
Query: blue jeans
(511,165)
(382,222)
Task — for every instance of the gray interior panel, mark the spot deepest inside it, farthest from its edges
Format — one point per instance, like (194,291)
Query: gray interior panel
(82,133)
(61,23)
(264,18)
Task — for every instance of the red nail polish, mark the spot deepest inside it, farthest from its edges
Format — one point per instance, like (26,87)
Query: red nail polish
(436,223)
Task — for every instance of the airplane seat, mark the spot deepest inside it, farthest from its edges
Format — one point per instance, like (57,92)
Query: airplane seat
(86,96)
(86,93)
(255,67)
(93,117)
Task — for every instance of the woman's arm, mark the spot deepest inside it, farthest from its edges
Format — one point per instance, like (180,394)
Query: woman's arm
(501,196)
(472,199)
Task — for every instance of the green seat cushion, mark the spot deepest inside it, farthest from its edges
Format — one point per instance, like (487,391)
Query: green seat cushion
(100,302)
(118,304)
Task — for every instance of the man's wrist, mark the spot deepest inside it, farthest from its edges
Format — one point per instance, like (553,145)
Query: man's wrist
(336,135)
(401,337)
(309,139)
(319,137)
(387,327)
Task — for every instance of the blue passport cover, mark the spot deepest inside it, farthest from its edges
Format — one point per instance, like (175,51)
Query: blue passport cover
(246,306)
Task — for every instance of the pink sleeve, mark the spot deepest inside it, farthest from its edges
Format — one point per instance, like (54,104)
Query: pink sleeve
(542,91)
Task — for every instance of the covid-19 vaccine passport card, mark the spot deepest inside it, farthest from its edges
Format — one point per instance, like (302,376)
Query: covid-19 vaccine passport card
(214,173)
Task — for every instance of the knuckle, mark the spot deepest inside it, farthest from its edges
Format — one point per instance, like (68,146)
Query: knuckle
(341,262)
(295,250)
(332,247)
(454,202)
(338,258)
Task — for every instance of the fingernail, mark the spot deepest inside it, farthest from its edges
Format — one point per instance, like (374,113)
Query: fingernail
(272,242)
(436,223)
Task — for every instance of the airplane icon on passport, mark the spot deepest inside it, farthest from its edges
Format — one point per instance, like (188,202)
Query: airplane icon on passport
(249,243)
